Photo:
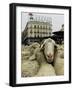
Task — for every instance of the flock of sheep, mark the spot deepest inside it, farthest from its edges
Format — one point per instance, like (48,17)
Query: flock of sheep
(45,59)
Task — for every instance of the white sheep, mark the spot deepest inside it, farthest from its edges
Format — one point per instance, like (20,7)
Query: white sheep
(59,60)
(46,69)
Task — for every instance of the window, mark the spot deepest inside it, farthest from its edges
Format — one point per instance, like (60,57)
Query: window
(50,33)
(34,31)
(34,35)
(38,35)
(34,26)
(49,28)
(31,31)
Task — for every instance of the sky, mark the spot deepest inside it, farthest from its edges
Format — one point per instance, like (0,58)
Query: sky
(57,19)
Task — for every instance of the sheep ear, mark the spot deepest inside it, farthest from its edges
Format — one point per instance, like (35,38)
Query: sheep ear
(42,46)
(56,45)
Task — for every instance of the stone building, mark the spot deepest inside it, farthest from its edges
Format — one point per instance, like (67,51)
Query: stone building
(36,29)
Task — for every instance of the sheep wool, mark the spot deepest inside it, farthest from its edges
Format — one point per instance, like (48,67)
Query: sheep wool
(27,51)
(46,70)
(59,66)
(33,46)
(59,60)
(29,68)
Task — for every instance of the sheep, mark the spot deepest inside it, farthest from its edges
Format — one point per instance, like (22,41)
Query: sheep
(27,51)
(33,46)
(59,60)
(45,69)
(48,50)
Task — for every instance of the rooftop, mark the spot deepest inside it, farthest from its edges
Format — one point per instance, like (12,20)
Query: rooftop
(39,18)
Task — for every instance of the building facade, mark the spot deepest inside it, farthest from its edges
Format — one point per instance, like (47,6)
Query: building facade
(36,30)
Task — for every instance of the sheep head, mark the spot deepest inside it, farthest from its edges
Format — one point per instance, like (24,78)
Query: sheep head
(48,47)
